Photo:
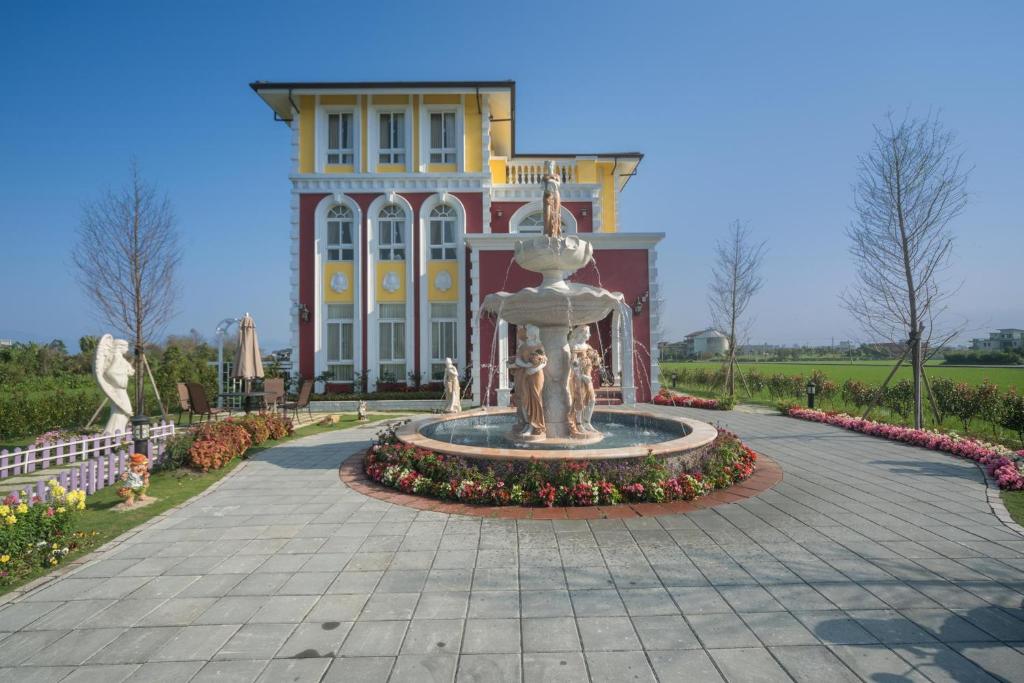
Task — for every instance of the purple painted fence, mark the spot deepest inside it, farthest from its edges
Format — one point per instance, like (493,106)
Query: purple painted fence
(101,460)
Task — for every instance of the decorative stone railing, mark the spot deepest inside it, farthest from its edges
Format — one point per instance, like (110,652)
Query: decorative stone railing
(532,171)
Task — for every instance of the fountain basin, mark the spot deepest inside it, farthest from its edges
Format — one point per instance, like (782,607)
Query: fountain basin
(553,257)
(679,442)
(566,306)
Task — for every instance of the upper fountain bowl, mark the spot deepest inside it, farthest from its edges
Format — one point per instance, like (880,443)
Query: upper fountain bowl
(553,257)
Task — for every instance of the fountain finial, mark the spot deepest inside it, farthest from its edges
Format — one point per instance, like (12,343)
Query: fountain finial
(552,201)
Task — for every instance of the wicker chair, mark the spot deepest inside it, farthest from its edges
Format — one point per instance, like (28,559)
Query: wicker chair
(184,404)
(305,391)
(200,405)
(274,393)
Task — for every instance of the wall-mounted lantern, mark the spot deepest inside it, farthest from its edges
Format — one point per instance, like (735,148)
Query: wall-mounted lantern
(303,312)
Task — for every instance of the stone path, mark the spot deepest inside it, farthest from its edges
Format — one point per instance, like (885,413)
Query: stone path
(871,560)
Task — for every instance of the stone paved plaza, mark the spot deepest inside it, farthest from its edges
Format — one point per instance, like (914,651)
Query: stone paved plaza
(871,560)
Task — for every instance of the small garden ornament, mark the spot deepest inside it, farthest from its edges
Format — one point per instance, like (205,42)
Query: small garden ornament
(452,391)
(361,411)
(136,480)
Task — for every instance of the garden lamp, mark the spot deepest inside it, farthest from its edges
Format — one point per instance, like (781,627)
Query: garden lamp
(675,378)
(140,434)
(810,394)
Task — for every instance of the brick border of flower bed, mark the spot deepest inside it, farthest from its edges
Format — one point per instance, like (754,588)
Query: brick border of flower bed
(765,477)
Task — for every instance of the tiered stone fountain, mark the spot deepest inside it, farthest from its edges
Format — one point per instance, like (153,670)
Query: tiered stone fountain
(549,421)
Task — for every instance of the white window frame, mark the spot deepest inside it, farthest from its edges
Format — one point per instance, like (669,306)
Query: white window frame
(320,329)
(322,136)
(387,247)
(445,250)
(392,322)
(534,227)
(393,151)
(448,153)
(340,360)
(341,246)
(424,142)
(437,356)
(569,224)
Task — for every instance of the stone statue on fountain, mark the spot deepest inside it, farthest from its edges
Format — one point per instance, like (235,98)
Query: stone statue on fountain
(528,369)
(552,202)
(581,380)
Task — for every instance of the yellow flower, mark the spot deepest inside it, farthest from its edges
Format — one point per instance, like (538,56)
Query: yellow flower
(4,559)
(52,483)
(61,510)
(58,491)
(81,506)
(55,546)
(11,519)
(22,509)
(53,561)
(4,510)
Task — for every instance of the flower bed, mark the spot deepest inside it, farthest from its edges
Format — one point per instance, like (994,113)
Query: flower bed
(215,444)
(667,398)
(37,533)
(553,483)
(1003,464)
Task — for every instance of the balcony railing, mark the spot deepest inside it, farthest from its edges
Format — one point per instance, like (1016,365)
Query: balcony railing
(532,171)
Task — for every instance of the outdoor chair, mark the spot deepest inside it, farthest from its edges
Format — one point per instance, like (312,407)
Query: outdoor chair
(273,393)
(301,402)
(184,404)
(200,405)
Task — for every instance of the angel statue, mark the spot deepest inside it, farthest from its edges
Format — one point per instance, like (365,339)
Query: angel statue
(552,202)
(452,390)
(112,371)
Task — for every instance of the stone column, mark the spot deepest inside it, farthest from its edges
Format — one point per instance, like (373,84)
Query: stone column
(556,380)
(504,391)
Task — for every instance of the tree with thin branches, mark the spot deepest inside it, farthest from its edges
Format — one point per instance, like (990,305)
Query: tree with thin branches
(126,259)
(735,279)
(910,187)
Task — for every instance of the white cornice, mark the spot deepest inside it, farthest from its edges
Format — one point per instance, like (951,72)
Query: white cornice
(570,191)
(604,240)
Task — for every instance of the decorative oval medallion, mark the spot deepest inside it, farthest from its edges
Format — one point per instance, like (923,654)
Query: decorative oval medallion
(339,283)
(443,281)
(391,282)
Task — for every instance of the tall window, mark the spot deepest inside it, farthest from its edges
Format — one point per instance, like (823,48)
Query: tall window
(392,138)
(339,138)
(532,223)
(444,326)
(339,234)
(442,137)
(391,230)
(340,345)
(442,233)
(392,343)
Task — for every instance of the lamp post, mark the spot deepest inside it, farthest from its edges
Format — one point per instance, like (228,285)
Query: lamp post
(675,378)
(140,434)
(810,394)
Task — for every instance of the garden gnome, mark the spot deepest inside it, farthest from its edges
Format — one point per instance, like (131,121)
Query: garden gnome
(452,390)
(530,363)
(136,480)
(112,371)
(361,411)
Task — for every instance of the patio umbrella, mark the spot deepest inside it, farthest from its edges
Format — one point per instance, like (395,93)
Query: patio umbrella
(247,356)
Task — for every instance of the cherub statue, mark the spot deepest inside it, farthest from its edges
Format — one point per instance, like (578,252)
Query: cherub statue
(112,371)
(136,480)
(552,201)
(361,411)
(581,380)
(452,390)
(529,366)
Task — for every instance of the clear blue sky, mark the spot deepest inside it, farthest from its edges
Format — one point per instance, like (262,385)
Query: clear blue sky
(752,111)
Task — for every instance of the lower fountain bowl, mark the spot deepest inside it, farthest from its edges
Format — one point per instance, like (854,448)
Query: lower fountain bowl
(626,435)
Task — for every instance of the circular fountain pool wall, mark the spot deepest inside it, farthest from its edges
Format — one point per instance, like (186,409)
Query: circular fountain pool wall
(628,434)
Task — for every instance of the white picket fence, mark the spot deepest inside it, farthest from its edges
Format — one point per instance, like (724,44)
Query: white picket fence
(100,461)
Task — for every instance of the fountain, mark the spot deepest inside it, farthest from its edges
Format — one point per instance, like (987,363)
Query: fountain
(554,414)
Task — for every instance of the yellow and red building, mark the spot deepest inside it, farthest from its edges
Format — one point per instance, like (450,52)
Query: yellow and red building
(407,201)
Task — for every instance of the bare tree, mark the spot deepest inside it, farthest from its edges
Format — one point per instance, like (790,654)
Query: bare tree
(735,280)
(126,258)
(909,188)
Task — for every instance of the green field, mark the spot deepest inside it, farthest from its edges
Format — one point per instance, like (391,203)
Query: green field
(872,372)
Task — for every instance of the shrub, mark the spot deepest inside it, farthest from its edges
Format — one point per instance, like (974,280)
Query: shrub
(944,392)
(35,533)
(217,443)
(899,398)
(1013,414)
(966,404)
(176,451)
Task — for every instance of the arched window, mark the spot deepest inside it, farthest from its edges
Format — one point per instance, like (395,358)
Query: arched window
(442,233)
(532,223)
(339,234)
(391,231)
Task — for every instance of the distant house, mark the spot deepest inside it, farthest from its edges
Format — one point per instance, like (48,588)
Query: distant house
(705,343)
(1007,339)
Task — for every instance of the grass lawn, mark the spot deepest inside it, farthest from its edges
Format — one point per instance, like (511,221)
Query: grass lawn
(1014,501)
(873,372)
(101,523)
